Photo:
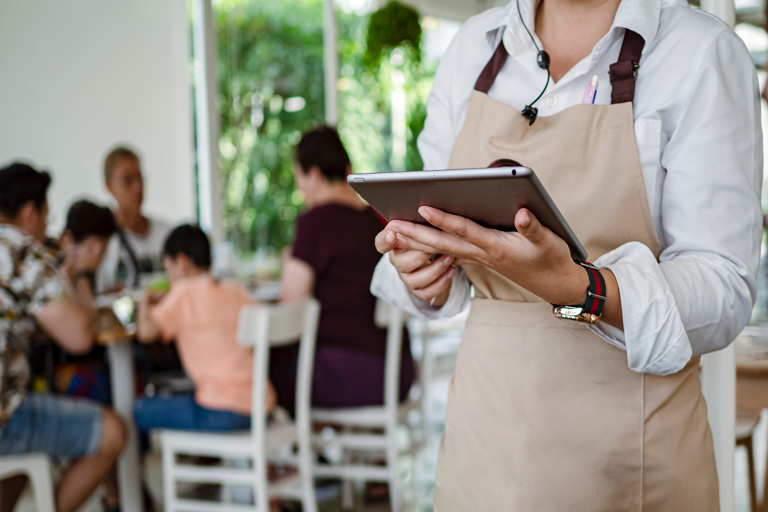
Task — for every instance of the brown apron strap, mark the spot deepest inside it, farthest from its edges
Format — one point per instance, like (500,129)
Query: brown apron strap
(488,76)
(624,71)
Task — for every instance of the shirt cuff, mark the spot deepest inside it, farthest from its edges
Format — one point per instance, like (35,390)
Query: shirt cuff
(654,336)
(387,285)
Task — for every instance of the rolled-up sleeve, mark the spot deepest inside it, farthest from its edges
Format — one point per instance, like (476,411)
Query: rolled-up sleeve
(699,295)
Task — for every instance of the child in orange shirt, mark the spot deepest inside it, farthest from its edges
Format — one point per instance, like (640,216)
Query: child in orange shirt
(201,314)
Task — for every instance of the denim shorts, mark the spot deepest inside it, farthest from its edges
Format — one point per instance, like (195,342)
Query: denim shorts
(62,427)
(182,412)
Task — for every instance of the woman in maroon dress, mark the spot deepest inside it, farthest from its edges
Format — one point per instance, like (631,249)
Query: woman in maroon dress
(333,258)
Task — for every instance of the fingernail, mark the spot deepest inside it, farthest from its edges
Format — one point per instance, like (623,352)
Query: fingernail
(448,260)
(432,301)
(424,213)
(450,273)
(390,238)
(526,221)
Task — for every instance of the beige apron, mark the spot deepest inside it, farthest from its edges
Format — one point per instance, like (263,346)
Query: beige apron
(544,415)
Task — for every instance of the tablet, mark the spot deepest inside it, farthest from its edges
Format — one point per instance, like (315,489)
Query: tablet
(490,197)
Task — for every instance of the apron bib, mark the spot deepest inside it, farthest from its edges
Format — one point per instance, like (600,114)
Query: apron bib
(544,415)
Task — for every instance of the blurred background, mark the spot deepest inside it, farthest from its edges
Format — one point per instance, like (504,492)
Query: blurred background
(77,77)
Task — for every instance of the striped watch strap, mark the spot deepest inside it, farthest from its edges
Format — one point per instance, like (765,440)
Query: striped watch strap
(596,293)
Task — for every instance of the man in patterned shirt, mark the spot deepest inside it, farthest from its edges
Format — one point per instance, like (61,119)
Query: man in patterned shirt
(33,295)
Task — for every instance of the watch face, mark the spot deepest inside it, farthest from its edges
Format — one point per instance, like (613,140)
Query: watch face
(569,311)
(576,313)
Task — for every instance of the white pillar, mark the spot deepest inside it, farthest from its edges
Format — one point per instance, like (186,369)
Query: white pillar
(723,9)
(207,120)
(331,60)
(399,114)
(719,368)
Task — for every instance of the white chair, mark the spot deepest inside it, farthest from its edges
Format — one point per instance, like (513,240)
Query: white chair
(440,341)
(369,434)
(37,467)
(261,327)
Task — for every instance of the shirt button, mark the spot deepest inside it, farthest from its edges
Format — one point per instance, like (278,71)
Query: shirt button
(551,100)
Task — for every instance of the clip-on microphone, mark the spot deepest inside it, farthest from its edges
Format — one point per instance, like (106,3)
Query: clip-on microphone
(542,59)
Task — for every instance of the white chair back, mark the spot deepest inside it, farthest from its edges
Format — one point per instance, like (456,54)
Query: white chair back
(264,326)
(393,319)
(37,467)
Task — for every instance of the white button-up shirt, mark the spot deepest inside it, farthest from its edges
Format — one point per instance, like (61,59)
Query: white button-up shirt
(697,126)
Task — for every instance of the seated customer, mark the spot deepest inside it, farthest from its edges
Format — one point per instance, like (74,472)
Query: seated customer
(201,314)
(332,259)
(136,249)
(31,296)
(87,231)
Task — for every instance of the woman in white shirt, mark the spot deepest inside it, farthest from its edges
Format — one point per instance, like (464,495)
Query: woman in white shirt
(138,246)
(660,180)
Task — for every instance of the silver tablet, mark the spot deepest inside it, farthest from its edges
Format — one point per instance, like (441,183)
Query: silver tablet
(490,197)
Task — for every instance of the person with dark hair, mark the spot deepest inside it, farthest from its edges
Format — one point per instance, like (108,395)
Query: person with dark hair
(189,241)
(88,227)
(86,219)
(201,314)
(137,246)
(322,149)
(333,258)
(23,196)
(87,231)
(32,295)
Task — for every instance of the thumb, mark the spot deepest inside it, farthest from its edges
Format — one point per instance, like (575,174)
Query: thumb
(528,225)
(386,241)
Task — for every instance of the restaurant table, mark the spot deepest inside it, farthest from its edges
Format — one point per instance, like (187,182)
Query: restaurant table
(110,333)
(752,379)
(264,290)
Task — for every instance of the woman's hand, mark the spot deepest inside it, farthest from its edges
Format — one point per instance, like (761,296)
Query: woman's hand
(426,275)
(533,257)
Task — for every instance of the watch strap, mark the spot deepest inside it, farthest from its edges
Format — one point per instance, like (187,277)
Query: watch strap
(596,296)
(596,292)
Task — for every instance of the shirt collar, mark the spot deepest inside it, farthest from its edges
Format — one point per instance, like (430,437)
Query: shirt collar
(641,16)
(14,233)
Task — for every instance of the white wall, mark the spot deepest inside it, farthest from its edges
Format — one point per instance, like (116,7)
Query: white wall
(78,76)
(458,10)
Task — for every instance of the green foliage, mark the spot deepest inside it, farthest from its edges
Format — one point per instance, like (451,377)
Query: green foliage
(271,90)
(270,58)
(416,119)
(394,25)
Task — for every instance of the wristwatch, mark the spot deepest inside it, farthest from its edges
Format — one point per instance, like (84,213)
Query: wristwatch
(592,309)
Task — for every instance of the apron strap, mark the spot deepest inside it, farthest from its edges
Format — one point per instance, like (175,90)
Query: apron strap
(623,72)
(488,76)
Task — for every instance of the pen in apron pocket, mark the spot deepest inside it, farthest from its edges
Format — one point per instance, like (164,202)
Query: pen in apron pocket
(590,91)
